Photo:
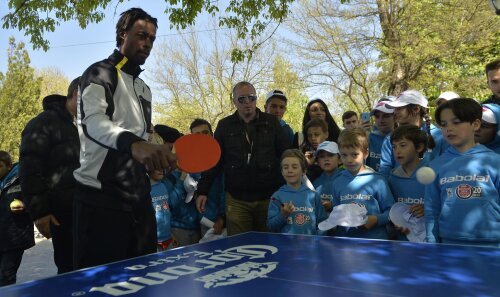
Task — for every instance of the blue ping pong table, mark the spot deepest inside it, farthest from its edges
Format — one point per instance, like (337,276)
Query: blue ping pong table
(265,264)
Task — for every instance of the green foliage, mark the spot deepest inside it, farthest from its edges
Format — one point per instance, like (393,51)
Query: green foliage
(250,18)
(40,16)
(53,82)
(288,81)
(19,97)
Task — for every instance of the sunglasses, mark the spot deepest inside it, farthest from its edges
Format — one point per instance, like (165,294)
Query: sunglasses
(245,99)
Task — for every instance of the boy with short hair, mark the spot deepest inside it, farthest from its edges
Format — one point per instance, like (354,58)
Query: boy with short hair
(215,207)
(362,185)
(490,127)
(409,143)
(316,131)
(164,196)
(384,125)
(276,102)
(350,119)
(185,218)
(294,208)
(328,158)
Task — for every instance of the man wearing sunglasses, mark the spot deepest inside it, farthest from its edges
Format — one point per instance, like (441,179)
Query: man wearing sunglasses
(252,143)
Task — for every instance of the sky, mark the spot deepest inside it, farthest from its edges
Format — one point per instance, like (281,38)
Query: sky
(73,49)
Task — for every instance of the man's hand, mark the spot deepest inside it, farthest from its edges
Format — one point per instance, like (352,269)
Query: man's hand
(201,200)
(153,156)
(43,225)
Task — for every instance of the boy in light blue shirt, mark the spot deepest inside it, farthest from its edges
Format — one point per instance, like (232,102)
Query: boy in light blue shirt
(361,184)
(328,159)
(294,208)
(409,143)
(462,204)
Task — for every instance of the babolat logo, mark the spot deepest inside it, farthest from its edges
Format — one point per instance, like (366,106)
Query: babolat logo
(462,178)
(303,208)
(410,200)
(355,196)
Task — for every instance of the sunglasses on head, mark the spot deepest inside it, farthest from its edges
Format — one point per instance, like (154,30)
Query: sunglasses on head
(248,98)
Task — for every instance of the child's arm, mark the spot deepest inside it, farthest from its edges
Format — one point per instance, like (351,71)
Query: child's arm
(387,161)
(275,216)
(320,214)
(432,210)
(385,201)
(176,192)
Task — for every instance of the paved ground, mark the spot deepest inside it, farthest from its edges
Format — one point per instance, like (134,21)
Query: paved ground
(38,262)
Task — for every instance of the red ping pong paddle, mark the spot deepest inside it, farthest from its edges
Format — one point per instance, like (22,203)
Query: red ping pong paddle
(196,152)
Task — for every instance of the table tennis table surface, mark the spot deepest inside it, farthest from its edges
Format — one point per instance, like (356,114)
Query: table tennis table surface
(266,264)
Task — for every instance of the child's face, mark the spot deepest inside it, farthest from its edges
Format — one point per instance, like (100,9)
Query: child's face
(405,151)
(277,107)
(353,158)
(327,161)
(292,171)
(384,121)
(486,133)
(4,169)
(315,136)
(457,133)
(156,175)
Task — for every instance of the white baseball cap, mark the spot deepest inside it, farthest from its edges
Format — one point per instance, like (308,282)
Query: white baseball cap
(409,97)
(489,116)
(347,215)
(401,216)
(276,93)
(381,106)
(448,96)
(327,146)
(190,185)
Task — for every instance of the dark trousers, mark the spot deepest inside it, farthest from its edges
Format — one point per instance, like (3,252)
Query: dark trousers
(9,264)
(62,240)
(103,235)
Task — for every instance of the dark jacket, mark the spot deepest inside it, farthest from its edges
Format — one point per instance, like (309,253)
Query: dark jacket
(16,229)
(50,151)
(254,178)
(492,100)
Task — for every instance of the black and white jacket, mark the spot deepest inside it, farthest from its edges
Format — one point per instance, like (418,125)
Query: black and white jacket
(114,111)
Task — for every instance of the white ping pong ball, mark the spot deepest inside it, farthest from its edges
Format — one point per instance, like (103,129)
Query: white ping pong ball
(425,175)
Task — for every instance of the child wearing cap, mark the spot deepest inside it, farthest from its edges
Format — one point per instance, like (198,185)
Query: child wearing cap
(446,96)
(294,208)
(276,102)
(488,133)
(409,144)
(328,158)
(362,185)
(462,204)
(410,108)
(384,125)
